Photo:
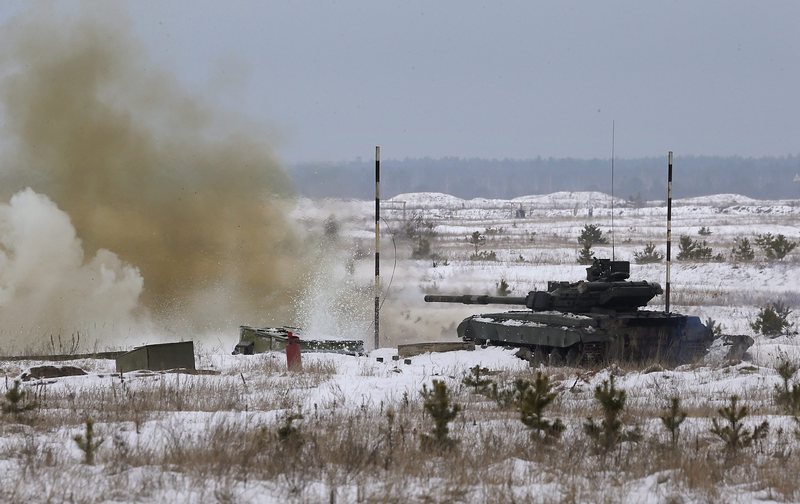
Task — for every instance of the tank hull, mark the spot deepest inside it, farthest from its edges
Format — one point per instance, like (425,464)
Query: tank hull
(634,336)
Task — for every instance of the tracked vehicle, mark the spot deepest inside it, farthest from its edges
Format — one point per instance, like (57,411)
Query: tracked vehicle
(588,321)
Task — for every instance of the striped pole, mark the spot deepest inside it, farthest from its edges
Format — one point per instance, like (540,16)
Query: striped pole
(377,244)
(669,229)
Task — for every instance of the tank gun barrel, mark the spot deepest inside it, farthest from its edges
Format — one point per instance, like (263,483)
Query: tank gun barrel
(473,299)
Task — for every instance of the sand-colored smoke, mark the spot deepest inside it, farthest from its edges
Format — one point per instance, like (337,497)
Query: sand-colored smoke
(144,170)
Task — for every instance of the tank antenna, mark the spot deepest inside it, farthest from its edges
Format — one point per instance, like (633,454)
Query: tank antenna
(669,229)
(377,244)
(612,191)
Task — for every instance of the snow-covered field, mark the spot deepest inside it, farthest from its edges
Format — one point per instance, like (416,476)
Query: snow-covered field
(218,437)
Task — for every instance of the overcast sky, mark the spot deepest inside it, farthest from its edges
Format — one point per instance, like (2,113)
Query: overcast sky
(491,79)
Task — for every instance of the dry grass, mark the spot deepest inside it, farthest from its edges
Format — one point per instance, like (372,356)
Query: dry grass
(216,438)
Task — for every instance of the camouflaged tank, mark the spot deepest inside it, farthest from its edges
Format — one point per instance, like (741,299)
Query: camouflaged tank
(595,320)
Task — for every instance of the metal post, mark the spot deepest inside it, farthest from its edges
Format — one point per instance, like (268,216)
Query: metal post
(669,230)
(613,234)
(377,244)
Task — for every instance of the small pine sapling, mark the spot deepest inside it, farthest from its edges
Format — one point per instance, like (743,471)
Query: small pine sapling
(693,250)
(716,327)
(87,443)
(673,419)
(477,379)
(288,431)
(742,251)
(734,434)
(532,403)
(502,288)
(388,434)
(591,234)
(15,403)
(787,395)
(610,431)
(648,255)
(775,247)
(438,405)
(773,321)
(586,255)
(477,240)
(509,397)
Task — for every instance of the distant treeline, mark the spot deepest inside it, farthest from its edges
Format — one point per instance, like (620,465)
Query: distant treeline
(645,178)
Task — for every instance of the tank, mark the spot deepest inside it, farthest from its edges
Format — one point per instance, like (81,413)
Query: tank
(593,320)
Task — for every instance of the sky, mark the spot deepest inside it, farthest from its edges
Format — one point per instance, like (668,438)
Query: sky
(502,79)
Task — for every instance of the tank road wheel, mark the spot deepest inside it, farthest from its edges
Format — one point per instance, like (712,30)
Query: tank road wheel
(556,357)
(539,357)
(595,354)
(575,355)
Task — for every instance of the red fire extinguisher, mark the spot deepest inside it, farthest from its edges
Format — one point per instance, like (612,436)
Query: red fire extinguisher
(293,361)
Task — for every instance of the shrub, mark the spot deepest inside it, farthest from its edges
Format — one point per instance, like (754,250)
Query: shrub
(288,432)
(476,379)
(420,233)
(509,397)
(775,247)
(693,250)
(477,240)
(484,256)
(734,434)
(16,403)
(788,396)
(673,419)
(648,255)
(421,249)
(591,235)
(532,403)
(610,431)
(502,288)
(704,231)
(716,328)
(586,255)
(773,320)
(87,443)
(742,251)
(442,411)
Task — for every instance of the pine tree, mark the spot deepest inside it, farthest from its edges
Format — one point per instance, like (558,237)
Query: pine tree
(734,434)
(773,320)
(610,431)
(787,395)
(742,251)
(87,443)
(532,403)
(15,403)
(476,379)
(648,255)
(586,255)
(590,235)
(673,419)
(775,247)
(437,404)
(502,288)
(477,240)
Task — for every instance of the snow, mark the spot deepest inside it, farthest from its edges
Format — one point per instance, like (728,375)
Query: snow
(254,391)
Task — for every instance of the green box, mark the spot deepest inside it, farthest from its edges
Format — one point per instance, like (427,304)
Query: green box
(158,357)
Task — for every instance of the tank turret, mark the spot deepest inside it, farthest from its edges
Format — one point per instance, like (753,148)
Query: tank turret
(606,288)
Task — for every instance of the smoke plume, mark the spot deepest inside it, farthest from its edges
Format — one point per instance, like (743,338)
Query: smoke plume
(193,201)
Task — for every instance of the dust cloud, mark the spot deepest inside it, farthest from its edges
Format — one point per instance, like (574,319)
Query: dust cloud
(191,204)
